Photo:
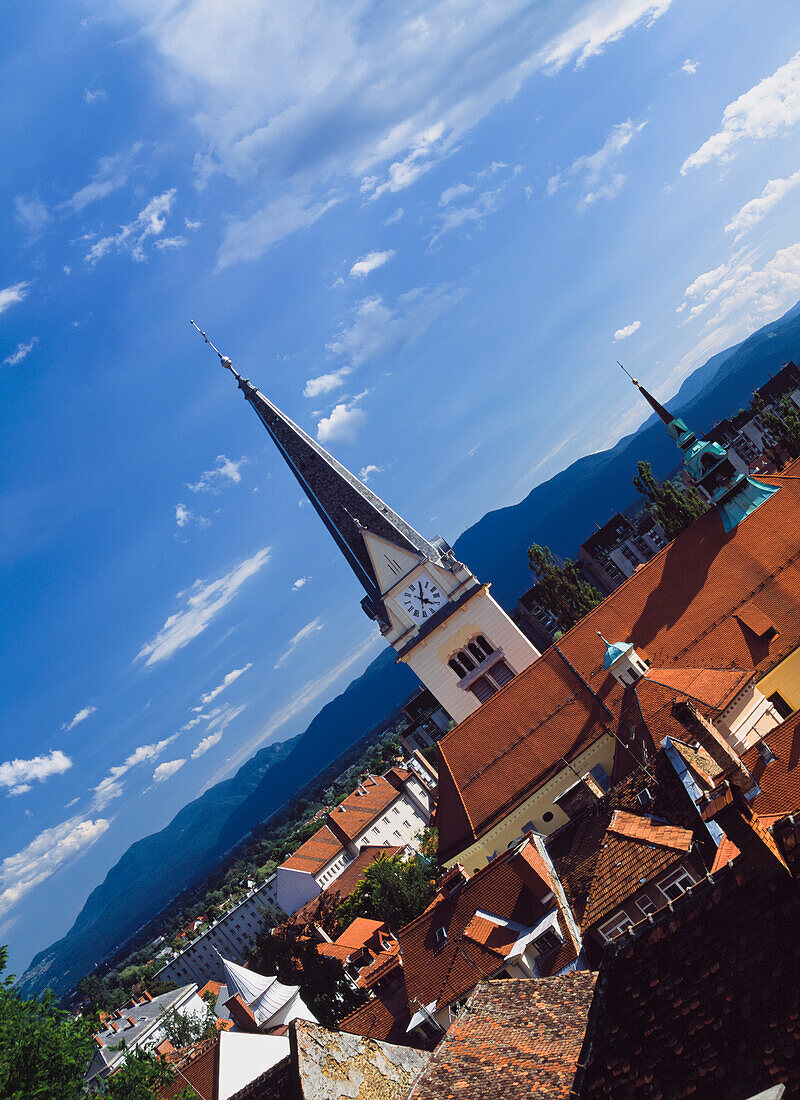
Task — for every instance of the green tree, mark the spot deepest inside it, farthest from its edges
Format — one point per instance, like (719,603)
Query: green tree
(184,1031)
(44,1052)
(562,589)
(141,1074)
(92,993)
(394,889)
(672,507)
(783,422)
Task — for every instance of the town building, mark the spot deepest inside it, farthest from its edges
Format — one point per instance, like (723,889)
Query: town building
(366,949)
(437,615)
(258,1002)
(139,1023)
(234,934)
(427,721)
(714,613)
(616,550)
(386,810)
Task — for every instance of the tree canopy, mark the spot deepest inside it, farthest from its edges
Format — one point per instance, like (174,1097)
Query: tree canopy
(562,588)
(672,507)
(141,1074)
(393,889)
(783,421)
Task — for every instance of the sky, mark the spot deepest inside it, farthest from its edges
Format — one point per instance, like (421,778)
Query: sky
(426,231)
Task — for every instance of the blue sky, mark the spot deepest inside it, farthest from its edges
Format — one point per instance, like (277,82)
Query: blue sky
(426,231)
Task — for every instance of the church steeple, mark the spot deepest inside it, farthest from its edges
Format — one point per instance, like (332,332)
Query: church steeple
(709,468)
(344,503)
(440,619)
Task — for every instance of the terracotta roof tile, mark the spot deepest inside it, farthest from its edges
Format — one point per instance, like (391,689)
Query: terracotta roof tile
(780,780)
(714,687)
(356,813)
(517,1038)
(316,853)
(679,610)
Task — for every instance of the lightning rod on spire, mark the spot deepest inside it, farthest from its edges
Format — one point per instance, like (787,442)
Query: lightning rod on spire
(222,358)
(634,380)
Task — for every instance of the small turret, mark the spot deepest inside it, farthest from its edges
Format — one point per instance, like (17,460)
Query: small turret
(623,662)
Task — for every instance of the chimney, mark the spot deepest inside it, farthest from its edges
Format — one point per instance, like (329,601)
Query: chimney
(701,730)
(99,1041)
(241,1013)
(146,997)
(131,1021)
(729,809)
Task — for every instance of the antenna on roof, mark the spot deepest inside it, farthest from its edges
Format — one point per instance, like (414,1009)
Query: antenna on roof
(222,358)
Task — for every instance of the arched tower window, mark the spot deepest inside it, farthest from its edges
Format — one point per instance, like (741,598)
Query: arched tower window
(481,668)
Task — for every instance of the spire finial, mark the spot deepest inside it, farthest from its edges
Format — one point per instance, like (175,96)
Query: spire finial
(634,380)
(227,364)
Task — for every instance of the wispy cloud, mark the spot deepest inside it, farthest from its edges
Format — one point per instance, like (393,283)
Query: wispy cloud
(22,351)
(201,605)
(46,854)
(216,729)
(31,214)
(98,95)
(132,238)
(184,516)
(300,583)
(757,209)
(394,218)
(81,716)
(596,26)
(342,424)
(251,237)
(628,330)
(377,330)
(366,472)
(324,383)
(167,769)
(11,295)
(305,632)
(454,192)
(689,66)
(206,743)
(110,787)
(369,263)
(226,472)
(770,107)
(598,179)
(231,678)
(18,776)
(112,173)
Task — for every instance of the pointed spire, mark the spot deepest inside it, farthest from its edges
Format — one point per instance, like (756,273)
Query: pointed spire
(674,425)
(344,504)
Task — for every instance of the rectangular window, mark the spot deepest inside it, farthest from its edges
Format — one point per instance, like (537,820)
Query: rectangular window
(616,926)
(676,884)
(780,704)
(646,905)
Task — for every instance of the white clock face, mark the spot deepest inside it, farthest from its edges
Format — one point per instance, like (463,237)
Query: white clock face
(421,598)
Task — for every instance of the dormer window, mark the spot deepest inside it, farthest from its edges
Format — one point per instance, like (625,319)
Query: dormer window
(440,936)
(547,942)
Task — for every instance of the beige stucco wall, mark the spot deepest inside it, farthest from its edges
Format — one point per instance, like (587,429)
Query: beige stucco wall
(785,678)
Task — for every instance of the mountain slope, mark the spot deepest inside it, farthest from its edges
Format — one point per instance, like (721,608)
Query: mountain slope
(560,512)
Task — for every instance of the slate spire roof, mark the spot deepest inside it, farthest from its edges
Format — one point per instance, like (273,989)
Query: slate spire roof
(344,504)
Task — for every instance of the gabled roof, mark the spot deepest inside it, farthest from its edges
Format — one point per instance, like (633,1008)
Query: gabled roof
(713,687)
(679,610)
(367,802)
(516,1038)
(634,850)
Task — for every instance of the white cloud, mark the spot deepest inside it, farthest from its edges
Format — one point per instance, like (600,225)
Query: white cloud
(300,583)
(454,192)
(353,93)
(342,424)
(11,295)
(170,243)
(249,238)
(377,330)
(206,743)
(594,170)
(226,472)
(296,705)
(366,472)
(757,209)
(201,605)
(394,218)
(455,216)
(167,769)
(16,775)
(190,224)
(32,214)
(231,678)
(768,108)
(149,222)
(22,351)
(46,853)
(689,66)
(81,716)
(369,263)
(184,516)
(324,383)
(97,96)
(305,632)
(112,174)
(110,787)
(628,330)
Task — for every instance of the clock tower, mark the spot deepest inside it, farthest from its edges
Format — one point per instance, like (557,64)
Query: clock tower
(440,619)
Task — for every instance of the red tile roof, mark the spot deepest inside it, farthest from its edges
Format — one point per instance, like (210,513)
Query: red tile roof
(634,851)
(369,801)
(198,1067)
(359,931)
(710,687)
(317,852)
(516,1039)
(679,610)
(779,780)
